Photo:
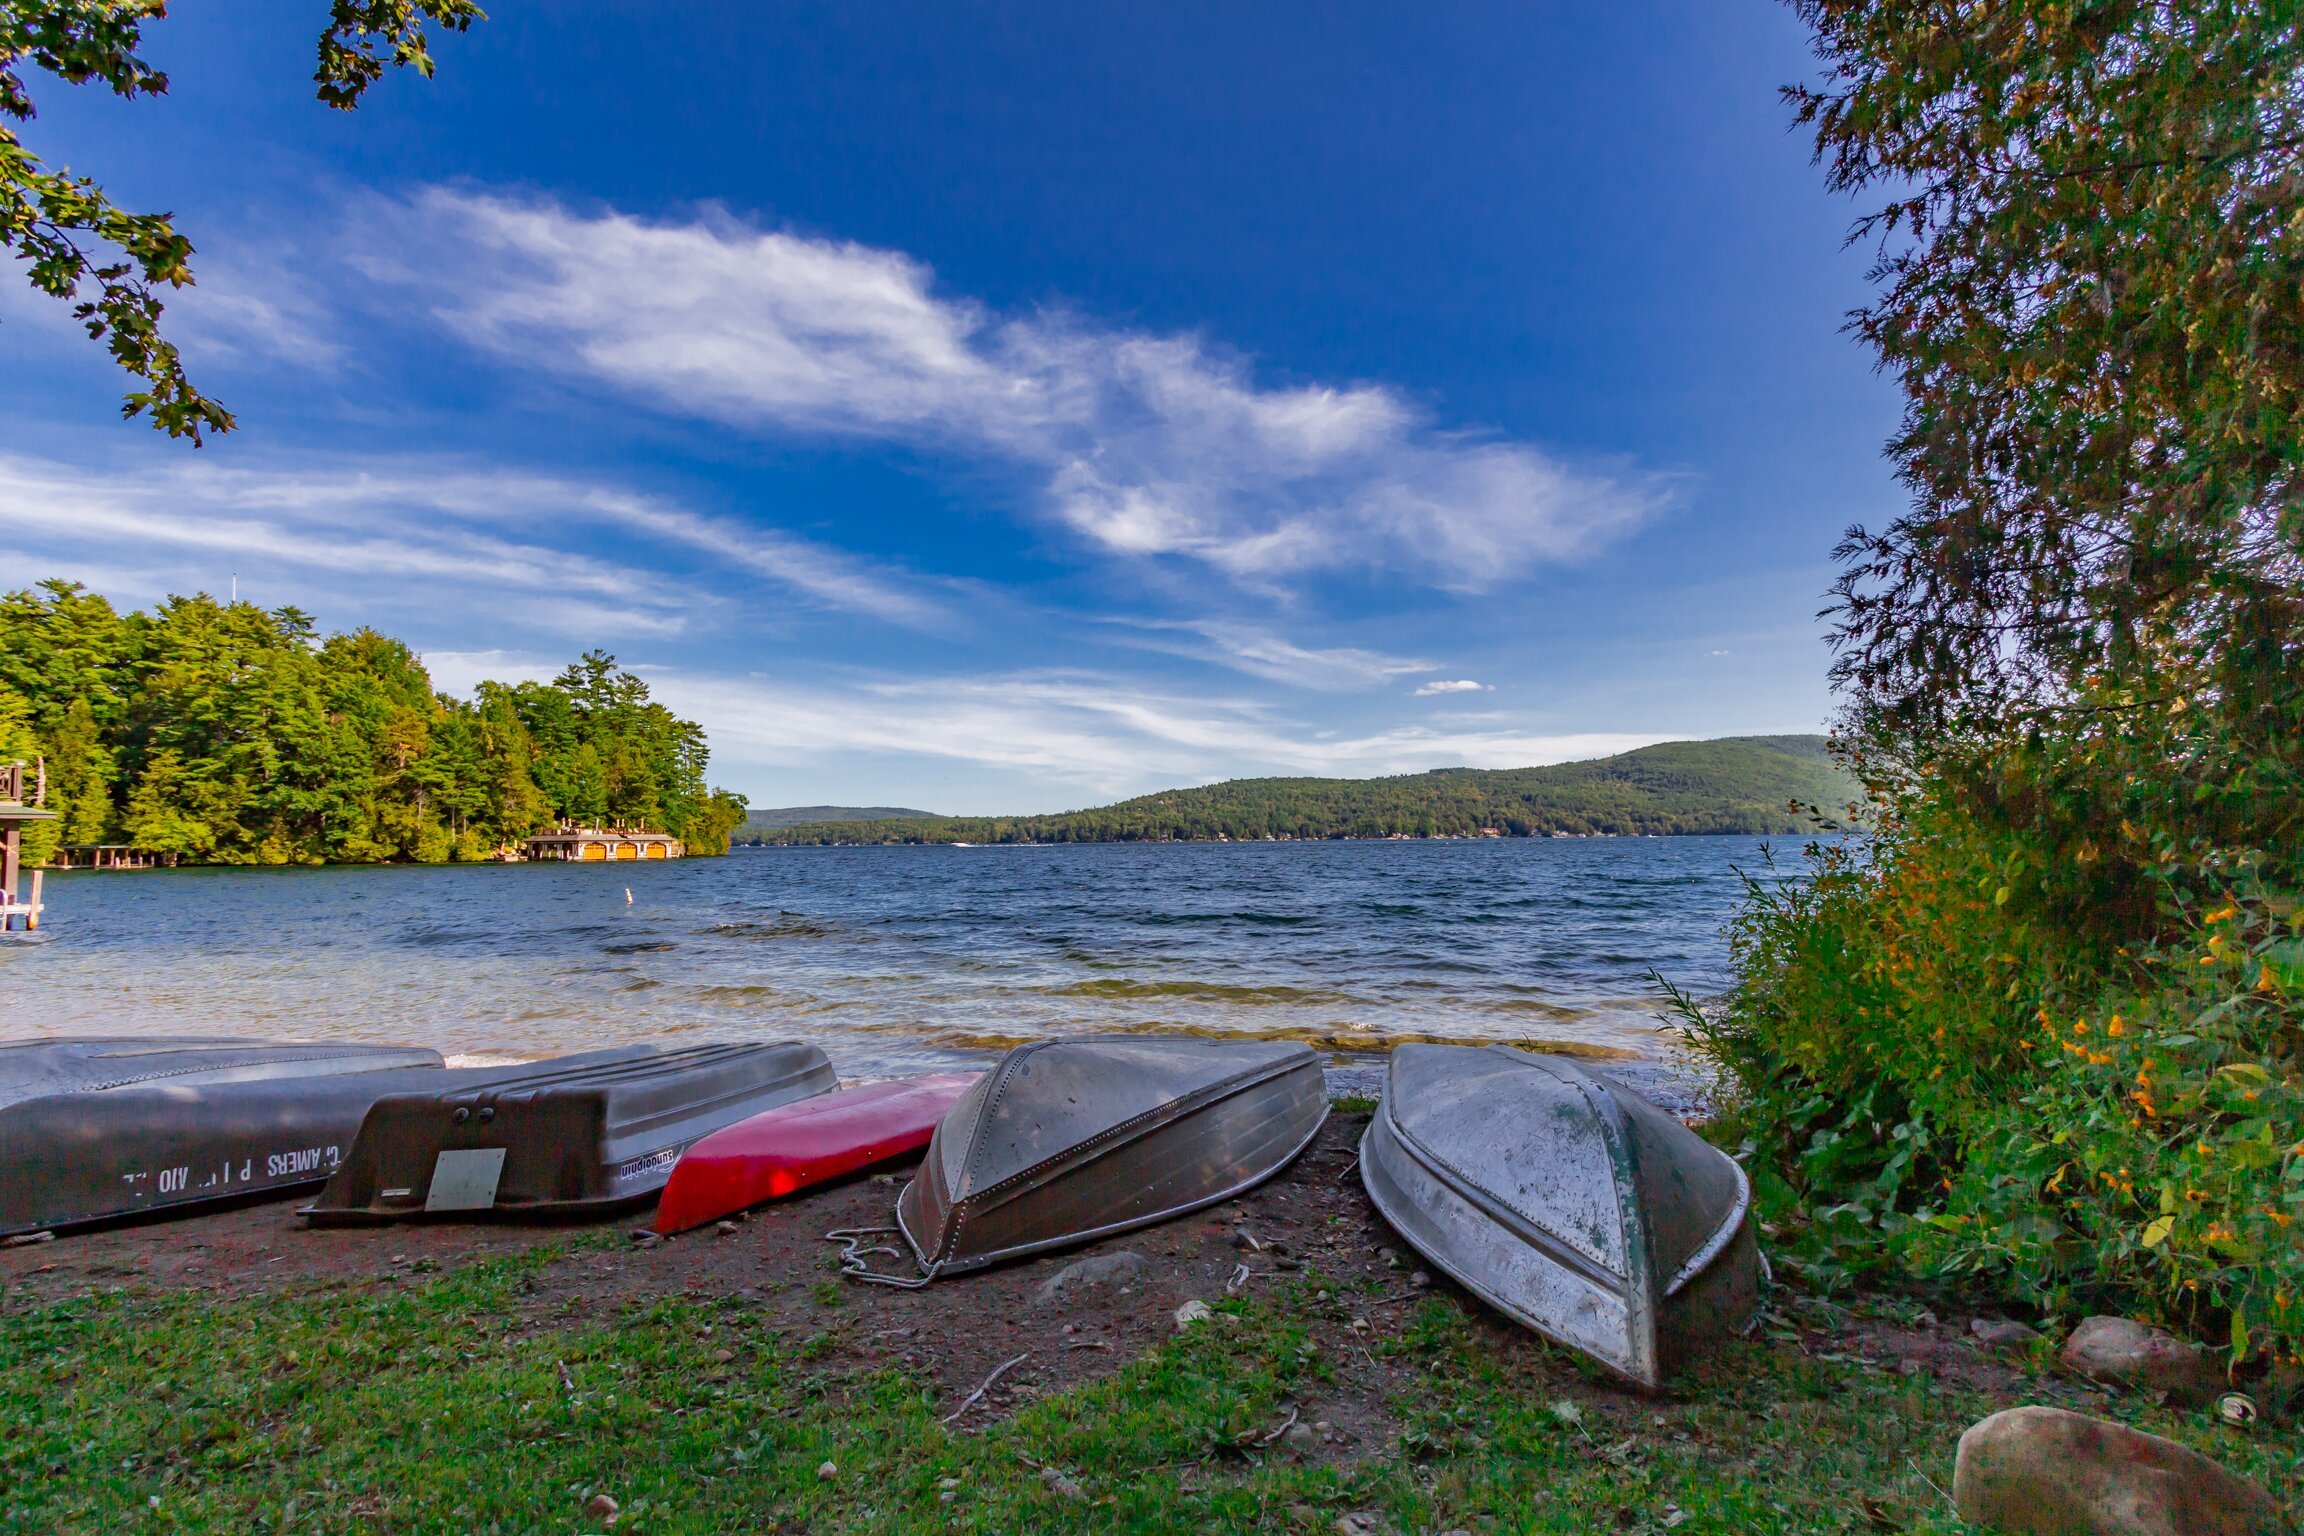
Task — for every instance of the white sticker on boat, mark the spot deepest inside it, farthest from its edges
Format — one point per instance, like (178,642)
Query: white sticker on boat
(465,1181)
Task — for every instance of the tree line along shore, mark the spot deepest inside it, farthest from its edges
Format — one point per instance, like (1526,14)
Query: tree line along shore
(1757,785)
(225,733)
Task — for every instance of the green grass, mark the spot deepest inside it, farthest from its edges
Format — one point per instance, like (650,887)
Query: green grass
(450,1406)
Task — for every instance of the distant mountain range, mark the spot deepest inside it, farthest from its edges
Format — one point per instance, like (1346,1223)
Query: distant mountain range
(799,815)
(1737,784)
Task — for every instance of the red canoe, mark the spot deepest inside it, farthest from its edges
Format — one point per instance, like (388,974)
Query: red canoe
(799,1144)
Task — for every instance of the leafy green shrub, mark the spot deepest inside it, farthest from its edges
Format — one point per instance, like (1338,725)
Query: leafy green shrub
(2160,1151)
(1943,1059)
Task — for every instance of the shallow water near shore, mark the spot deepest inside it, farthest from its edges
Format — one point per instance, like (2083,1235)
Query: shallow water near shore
(904,959)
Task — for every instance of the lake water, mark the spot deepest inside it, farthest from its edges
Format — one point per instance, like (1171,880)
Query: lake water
(900,959)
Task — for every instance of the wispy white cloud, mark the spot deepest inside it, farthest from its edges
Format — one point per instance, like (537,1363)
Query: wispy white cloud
(1147,445)
(253,308)
(1109,735)
(432,521)
(459,672)
(1456,685)
(1259,652)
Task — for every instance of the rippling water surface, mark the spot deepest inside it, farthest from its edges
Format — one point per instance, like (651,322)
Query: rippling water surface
(894,959)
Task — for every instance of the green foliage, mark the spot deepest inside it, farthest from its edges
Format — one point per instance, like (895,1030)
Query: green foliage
(2039,1032)
(224,733)
(2160,1150)
(75,241)
(1750,784)
(2088,268)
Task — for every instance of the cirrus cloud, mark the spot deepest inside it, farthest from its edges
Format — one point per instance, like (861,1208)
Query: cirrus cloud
(1146,445)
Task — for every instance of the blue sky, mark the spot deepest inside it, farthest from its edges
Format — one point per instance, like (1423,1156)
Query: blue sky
(1003,408)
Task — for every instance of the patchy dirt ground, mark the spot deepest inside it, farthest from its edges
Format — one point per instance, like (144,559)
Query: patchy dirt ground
(957,1332)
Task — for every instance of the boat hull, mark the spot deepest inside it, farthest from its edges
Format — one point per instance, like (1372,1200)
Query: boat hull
(800,1145)
(1067,1141)
(1565,1201)
(566,1137)
(94,1129)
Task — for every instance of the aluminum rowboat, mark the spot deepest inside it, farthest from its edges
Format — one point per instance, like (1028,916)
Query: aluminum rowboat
(580,1134)
(798,1146)
(1566,1201)
(98,1127)
(1066,1141)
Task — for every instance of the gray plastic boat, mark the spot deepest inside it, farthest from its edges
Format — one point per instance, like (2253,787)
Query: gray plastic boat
(1066,1141)
(1566,1201)
(565,1137)
(92,1128)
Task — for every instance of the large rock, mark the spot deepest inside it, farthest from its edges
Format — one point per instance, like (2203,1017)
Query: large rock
(1103,1269)
(2047,1472)
(2122,1350)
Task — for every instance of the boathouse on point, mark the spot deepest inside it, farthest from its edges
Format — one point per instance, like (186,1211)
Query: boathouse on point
(586,845)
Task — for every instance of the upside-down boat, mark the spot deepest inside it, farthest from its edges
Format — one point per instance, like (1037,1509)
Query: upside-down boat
(1066,1141)
(799,1145)
(564,1137)
(1566,1201)
(96,1127)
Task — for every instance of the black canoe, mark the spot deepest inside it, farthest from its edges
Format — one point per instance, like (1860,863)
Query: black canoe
(565,1137)
(92,1128)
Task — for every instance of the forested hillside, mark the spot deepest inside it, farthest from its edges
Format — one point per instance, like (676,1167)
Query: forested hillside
(1742,784)
(226,733)
(775,818)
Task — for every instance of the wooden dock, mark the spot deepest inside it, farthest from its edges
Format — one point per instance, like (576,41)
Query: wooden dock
(19,889)
(109,856)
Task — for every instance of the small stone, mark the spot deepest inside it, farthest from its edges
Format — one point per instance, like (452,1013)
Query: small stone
(1927,1320)
(643,1238)
(1300,1439)
(1244,1240)
(1193,1311)
(2037,1471)
(1362,1522)
(828,1471)
(2122,1350)
(2002,1336)
(1063,1486)
(1081,1274)
(724,1228)
(723,1355)
(1419,1280)
(946,1496)
(948,1484)
(602,1508)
